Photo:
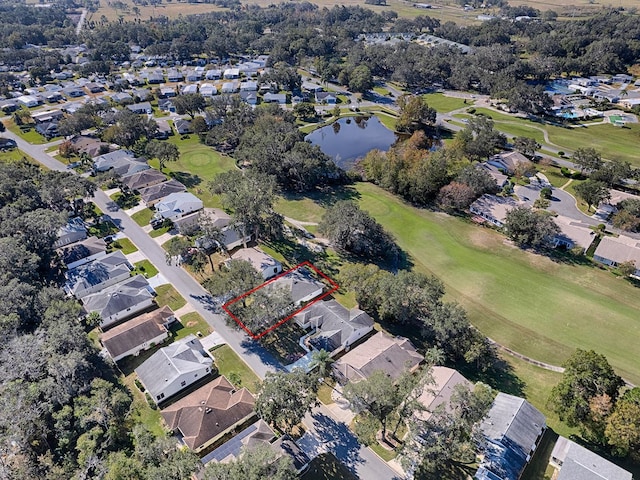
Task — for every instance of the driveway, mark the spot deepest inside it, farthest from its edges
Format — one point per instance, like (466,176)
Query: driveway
(562,203)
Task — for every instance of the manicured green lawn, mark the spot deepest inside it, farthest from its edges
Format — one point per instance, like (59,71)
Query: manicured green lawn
(197,166)
(534,305)
(14,155)
(31,136)
(124,245)
(160,231)
(444,104)
(235,369)
(191,323)
(167,295)
(143,217)
(146,268)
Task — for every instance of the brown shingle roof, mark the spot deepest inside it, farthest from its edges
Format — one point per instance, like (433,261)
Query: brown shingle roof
(208,412)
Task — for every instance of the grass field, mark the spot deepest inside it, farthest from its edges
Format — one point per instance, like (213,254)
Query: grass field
(124,245)
(198,164)
(167,295)
(443,104)
(612,142)
(236,370)
(15,155)
(189,324)
(536,306)
(146,268)
(143,217)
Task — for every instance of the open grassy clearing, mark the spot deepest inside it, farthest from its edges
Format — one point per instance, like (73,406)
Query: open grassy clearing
(613,142)
(235,369)
(167,295)
(143,217)
(170,10)
(30,136)
(146,268)
(539,307)
(124,245)
(15,155)
(444,104)
(190,324)
(198,164)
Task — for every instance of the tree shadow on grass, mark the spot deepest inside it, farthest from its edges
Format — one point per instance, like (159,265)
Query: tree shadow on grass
(187,179)
(500,377)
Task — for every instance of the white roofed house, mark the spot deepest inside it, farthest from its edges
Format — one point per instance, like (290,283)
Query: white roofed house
(74,231)
(266,265)
(177,205)
(231,73)
(572,234)
(493,208)
(173,368)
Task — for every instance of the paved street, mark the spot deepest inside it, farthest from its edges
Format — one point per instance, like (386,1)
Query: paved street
(334,434)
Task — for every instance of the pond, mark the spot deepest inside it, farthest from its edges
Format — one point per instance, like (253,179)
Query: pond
(351,138)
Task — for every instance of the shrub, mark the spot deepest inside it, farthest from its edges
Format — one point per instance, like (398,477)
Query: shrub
(150,401)
(577,175)
(235,379)
(561,153)
(471,110)
(565,172)
(139,385)
(546,193)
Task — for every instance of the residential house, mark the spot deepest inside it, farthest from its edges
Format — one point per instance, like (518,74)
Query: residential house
(572,234)
(279,98)
(575,462)
(154,193)
(173,368)
(207,414)
(182,126)
(174,76)
(164,129)
(74,231)
(89,145)
(326,97)
(230,87)
(48,129)
(231,73)
(208,90)
(500,178)
(493,208)
(336,328)
(96,275)
(142,94)
(264,264)
(232,238)
(391,355)
(73,91)
(512,430)
(194,75)
(285,445)
(138,334)
(213,74)
(141,108)
(509,162)
(248,86)
(167,92)
(82,252)
(300,284)
(249,68)
(124,163)
(193,88)
(258,433)
(166,105)
(143,179)
(249,97)
(53,97)
(94,87)
(312,87)
(177,205)
(155,78)
(613,251)
(120,301)
(445,382)
(28,101)
(48,116)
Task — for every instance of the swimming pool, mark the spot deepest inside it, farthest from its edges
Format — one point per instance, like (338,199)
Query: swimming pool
(558,86)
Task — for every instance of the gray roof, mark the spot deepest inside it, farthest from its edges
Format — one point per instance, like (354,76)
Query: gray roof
(82,249)
(142,106)
(255,434)
(108,159)
(620,250)
(579,463)
(285,445)
(299,283)
(161,190)
(511,428)
(179,202)
(118,297)
(336,323)
(169,363)
(137,331)
(145,177)
(96,272)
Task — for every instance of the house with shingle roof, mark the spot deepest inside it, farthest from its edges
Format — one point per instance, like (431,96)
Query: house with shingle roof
(335,327)
(155,193)
(264,264)
(173,368)
(82,252)
(143,179)
(258,433)
(574,462)
(138,334)
(512,430)
(392,355)
(493,208)
(445,382)
(614,251)
(120,301)
(96,275)
(205,415)
(177,205)
(74,230)
(300,284)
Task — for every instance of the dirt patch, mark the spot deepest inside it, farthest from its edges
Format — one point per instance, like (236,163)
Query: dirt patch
(484,238)
(191,324)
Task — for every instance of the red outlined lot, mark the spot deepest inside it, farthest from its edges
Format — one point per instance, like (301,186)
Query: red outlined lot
(256,336)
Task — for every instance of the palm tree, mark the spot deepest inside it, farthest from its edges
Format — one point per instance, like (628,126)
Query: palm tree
(321,359)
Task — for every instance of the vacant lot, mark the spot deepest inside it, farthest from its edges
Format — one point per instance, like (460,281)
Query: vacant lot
(444,104)
(167,295)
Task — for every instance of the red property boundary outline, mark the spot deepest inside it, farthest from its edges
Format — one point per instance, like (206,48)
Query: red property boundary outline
(334,288)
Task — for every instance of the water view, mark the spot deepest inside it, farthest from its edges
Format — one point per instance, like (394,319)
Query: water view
(351,138)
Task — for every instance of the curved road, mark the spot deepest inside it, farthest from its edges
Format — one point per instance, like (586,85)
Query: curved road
(334,434)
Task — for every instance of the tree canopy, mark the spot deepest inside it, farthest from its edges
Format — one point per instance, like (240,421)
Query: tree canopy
(528,227)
